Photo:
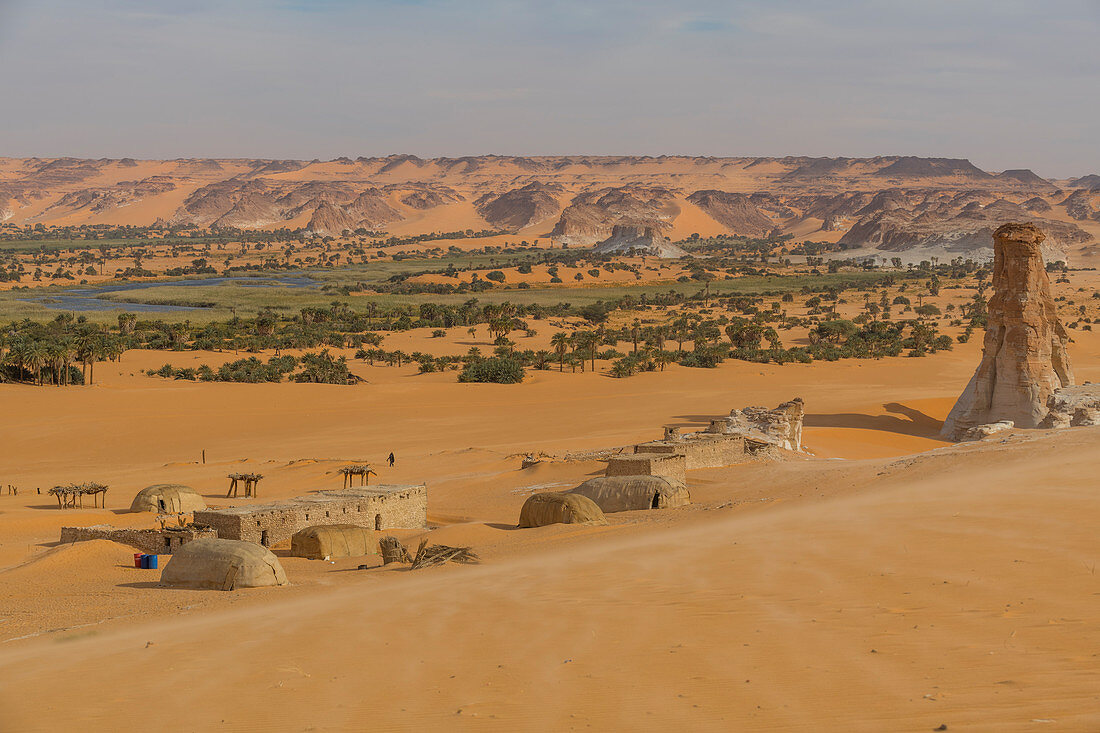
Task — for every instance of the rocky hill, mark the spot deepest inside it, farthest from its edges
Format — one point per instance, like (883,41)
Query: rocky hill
(735,211)
(519,208)
(628,239)
(889,204)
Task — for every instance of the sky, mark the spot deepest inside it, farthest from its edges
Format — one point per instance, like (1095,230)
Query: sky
(1005,83)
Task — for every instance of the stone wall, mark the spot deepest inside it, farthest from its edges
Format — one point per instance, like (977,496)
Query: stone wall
(374,507)
(700,450)
(149,541)
(669,465)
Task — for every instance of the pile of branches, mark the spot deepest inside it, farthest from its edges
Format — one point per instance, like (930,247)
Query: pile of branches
(431,555)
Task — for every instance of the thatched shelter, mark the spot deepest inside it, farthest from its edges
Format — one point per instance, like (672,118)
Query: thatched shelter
(167,499)
(223,565)
(553,508)
(627,493)
(332,540)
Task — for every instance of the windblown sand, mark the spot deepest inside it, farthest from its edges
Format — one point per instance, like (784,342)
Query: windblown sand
(889,582)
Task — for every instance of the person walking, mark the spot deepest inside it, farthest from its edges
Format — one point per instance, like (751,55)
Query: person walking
(391,459)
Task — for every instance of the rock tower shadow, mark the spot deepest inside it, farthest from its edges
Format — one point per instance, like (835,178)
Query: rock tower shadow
(904,420)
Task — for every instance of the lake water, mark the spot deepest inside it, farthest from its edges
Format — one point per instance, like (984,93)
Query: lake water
(90,299)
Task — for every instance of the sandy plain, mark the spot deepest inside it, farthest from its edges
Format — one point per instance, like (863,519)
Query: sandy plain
(890,581)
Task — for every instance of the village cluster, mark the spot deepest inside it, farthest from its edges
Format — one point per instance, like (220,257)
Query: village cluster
(230,547)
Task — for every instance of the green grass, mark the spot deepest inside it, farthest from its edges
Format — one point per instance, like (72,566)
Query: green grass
(222,301)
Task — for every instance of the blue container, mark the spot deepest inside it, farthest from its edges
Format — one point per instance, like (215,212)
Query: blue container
(152,562)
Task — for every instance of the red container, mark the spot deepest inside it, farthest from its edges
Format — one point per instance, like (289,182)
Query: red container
(137,559)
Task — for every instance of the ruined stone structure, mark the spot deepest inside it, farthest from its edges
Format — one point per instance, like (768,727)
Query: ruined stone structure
(669,465)
(150,541)
(753,431)
(374,507)
(781,427)
(700,450)
(1024,356)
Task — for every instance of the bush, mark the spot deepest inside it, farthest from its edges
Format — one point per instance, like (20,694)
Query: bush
(495,276)
(323,368)
(497,369)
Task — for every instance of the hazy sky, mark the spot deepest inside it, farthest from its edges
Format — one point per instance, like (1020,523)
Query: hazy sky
(1006,83)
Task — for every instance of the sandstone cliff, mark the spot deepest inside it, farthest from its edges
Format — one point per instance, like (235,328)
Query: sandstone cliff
(734,211)
(887,206)
(592,216)
(899,223)
(522,207)
(629,239)
(1024,356)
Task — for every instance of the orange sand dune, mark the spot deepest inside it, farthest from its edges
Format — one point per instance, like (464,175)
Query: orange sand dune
(887,582)
(958,591)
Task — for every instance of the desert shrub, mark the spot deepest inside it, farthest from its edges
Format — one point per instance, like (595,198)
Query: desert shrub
(497,369)
(323,368)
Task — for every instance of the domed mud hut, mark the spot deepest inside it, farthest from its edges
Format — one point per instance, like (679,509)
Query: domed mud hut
(628,493)
(167,499)
(223,565)
(553,508)
(332,540)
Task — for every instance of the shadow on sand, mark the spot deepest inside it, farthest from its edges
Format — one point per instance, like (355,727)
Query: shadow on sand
(148,584)
(911,421)
(692,421)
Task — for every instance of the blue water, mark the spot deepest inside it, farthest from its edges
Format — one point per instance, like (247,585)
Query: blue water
(90,299)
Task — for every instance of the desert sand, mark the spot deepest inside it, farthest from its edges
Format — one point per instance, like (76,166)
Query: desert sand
(890,581)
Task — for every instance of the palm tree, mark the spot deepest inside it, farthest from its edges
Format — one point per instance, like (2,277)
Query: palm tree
(560,342)
(34,358)
(126,323)
(590,340)
(621,369)
(87,349)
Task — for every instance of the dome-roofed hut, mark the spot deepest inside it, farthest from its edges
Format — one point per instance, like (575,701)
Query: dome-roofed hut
(223,565)
(167,499)
(628,493)
(332,540)
(554,508)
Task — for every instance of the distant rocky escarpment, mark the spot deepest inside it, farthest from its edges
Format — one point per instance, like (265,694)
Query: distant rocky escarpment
(592,216)
(885,207)
(951,226)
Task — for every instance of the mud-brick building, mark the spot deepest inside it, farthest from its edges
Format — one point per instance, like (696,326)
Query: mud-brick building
(151,541)
(374,507)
